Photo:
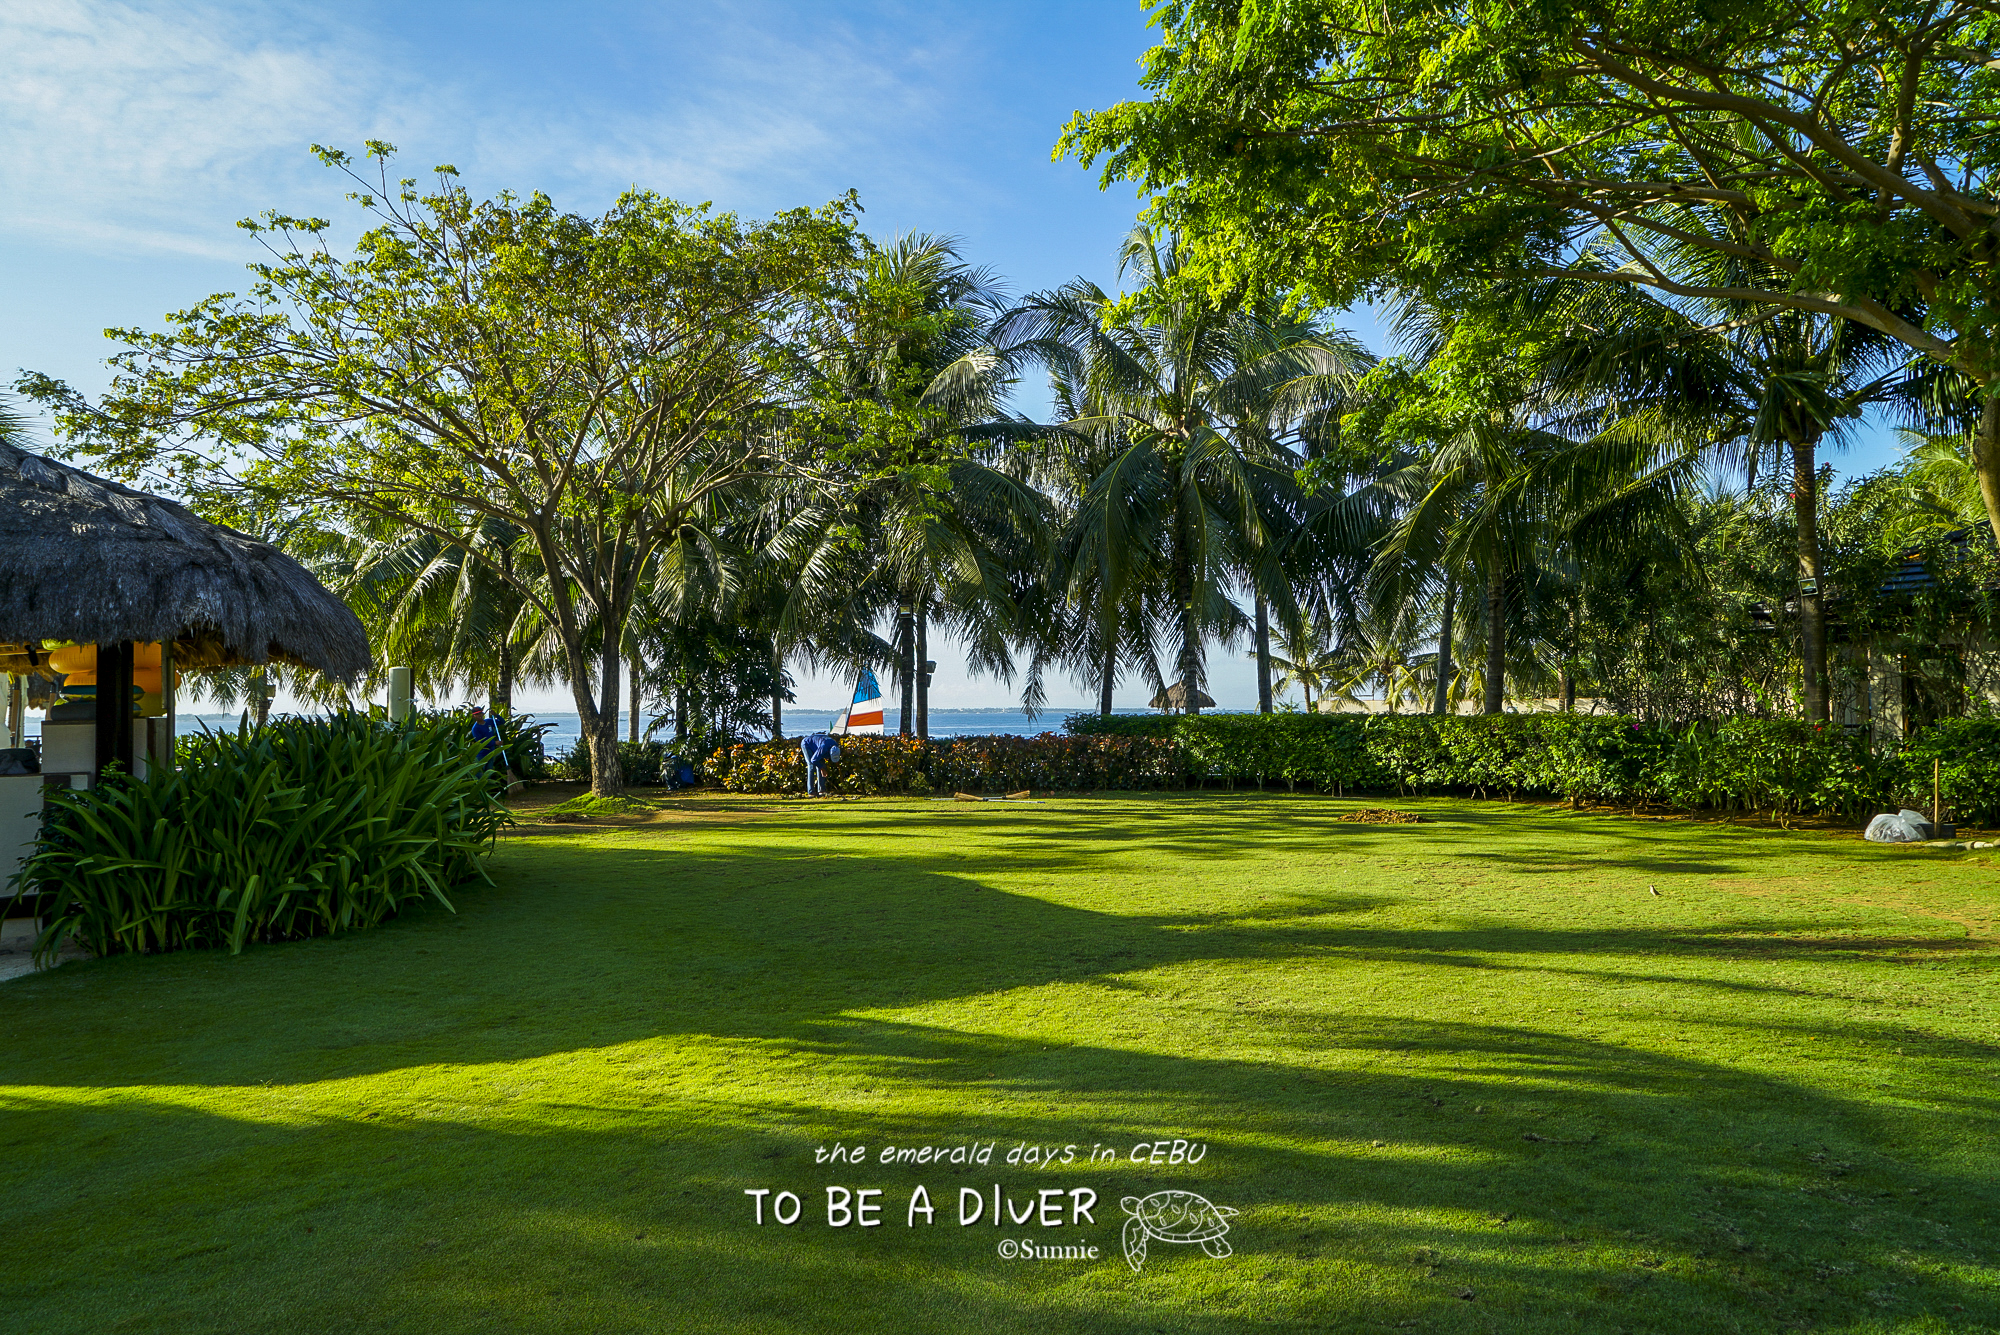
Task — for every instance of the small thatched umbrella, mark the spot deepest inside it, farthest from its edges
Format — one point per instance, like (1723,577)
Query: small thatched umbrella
(1175,698)
(85,560)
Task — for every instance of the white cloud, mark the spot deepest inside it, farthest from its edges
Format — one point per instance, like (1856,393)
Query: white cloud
(153,128)
(156,127)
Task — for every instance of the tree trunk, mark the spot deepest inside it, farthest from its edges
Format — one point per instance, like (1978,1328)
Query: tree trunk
(777,693)
(599,724)
(1110,677)
(681,712)
(632,697)
(1986,456)
(906,650)
(1263,657)
(1184,604)
(1569,660)
(1496,641)
(923,677)
(501,698)
(1441,695)
(1812,606)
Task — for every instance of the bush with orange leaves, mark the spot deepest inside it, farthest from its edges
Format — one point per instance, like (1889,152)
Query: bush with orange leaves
(879,766)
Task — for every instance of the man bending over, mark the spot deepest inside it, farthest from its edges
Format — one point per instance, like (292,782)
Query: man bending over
(819,749)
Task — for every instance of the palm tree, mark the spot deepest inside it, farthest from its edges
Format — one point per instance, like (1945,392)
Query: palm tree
(1514,478)
(1760,385)
(927,525)
(1173,398)
(1307,658)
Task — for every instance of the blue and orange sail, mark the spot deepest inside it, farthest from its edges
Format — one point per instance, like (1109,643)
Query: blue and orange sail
(864,712)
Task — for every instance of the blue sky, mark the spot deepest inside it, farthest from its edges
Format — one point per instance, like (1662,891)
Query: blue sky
(132,137)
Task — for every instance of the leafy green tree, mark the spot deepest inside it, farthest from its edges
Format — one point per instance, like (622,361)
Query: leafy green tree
(1757,383)
(924,525)
(1501,488)
(592,383)
(1824,158)
(454,620)
(1174,395)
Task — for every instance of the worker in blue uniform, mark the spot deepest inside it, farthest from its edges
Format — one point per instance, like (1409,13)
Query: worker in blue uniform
(819,750)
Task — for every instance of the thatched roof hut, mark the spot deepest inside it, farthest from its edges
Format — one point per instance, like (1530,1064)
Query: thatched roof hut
(86,560)
(1175,698)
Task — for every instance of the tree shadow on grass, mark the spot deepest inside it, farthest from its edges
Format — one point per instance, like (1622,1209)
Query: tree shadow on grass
(1563,1183)
(655,942)
(1544,1173)
(1213,827)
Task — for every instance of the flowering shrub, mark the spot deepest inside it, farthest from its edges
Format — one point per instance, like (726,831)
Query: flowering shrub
(895,765)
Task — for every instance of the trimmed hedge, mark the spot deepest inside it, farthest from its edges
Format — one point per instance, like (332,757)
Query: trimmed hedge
(1781,765)
(884,765)
(1775,765)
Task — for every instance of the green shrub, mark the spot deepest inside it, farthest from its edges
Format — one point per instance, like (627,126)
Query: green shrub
(1781,765)
(1967,753)
(1123,725)
(521,738)
(645,764)
(897,765)
(304,827)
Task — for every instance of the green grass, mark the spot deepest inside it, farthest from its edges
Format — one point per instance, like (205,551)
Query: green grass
(586,805)
(1469,1057)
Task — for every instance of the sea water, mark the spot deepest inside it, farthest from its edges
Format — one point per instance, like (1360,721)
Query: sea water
(798,722)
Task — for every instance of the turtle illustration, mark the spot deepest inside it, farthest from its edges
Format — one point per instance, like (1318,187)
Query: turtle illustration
(1174,1216)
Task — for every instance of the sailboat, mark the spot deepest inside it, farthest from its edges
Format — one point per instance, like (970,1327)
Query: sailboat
(864,713)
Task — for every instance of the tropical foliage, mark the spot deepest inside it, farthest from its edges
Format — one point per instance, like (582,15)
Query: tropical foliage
(666,456)
(298,828)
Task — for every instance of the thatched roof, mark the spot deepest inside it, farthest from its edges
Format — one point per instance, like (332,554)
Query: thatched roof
(86,560)
(1176,696)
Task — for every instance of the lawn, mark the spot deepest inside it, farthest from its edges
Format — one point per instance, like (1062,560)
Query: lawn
(1511,1069)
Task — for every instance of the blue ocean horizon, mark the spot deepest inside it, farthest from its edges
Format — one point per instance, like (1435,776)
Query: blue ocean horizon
(799,720)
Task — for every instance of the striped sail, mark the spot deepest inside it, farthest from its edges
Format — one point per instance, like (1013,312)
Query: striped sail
(864,714)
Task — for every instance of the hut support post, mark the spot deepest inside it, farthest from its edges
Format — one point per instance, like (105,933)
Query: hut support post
(114,706)
(17,711)
(167,699)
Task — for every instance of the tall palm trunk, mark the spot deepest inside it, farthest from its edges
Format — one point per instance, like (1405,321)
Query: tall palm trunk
(1184,602)
(1812,601)
(1496,640)
(906,648)
(1109,677)
(1441,695)
(923,675)
(1263,656)
(1569,659)
(777,692)
(632,700)
(501,698)
(1986,455)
